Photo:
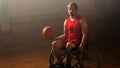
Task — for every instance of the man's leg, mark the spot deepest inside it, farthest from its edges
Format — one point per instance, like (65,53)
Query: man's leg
(69,47)
(57,45)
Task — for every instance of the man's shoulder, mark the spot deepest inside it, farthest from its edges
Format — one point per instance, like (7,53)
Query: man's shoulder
(67,18)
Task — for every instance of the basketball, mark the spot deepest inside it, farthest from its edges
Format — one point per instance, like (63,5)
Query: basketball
(48,32)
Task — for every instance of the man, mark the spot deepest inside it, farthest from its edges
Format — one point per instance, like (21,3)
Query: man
(74,34)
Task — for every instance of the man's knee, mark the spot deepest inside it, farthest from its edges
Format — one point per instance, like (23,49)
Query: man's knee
(57,44)
(70,46)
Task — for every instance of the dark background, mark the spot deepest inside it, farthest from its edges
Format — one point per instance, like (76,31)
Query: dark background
(21,23)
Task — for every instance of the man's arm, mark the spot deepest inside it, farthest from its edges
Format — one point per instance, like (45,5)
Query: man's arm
(84,28)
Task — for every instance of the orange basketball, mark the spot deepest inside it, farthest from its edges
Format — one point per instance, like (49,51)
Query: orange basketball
(48,32)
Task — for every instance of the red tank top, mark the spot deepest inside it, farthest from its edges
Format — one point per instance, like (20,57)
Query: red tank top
(74,30)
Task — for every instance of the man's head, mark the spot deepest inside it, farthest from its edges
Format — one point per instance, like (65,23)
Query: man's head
(72,8)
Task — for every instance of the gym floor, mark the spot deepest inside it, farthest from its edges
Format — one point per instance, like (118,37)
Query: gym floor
(39,58)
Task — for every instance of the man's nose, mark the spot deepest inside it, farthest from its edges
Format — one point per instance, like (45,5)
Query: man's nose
(71,10)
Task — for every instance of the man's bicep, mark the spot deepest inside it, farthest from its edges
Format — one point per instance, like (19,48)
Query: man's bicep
(65,30)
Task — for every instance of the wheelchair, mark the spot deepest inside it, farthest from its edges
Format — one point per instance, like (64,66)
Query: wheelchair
(90,58)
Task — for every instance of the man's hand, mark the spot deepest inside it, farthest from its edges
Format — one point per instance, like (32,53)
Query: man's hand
(61,37)
(81,49)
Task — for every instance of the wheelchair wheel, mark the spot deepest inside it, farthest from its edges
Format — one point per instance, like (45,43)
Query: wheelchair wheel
(93,58)
(75,61)
(53,60)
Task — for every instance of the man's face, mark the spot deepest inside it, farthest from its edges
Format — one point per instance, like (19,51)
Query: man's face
(72,11)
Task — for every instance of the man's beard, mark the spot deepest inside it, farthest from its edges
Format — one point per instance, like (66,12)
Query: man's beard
(72,15)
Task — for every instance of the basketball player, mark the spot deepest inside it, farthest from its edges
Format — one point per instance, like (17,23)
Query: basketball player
(74,34)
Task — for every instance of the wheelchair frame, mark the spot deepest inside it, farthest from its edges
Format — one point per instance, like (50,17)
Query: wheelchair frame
(90,58)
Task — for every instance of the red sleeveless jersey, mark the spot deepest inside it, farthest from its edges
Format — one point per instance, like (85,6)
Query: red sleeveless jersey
(74,30)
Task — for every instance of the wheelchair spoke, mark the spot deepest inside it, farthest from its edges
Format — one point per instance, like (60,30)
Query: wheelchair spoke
(75,61)
(90,59)
(93,59)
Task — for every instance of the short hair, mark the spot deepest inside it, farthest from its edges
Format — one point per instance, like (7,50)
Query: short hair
(72,3)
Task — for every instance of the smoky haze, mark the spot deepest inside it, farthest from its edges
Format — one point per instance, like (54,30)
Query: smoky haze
(26,19)
(22,21)
(36,7)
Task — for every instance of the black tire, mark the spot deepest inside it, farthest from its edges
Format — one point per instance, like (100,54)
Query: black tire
(53,60)
(93,59)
